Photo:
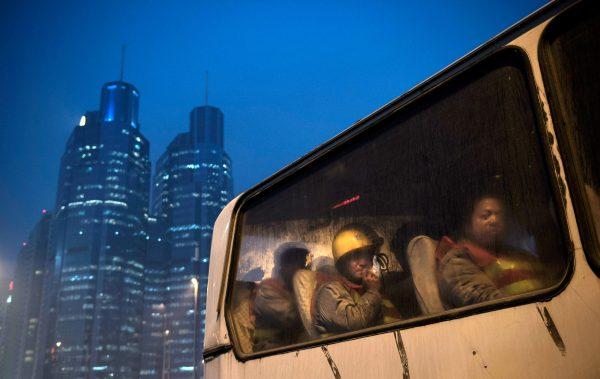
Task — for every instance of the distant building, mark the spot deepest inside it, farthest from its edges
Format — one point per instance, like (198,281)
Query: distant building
(4,297)
(192,184)
(154,337)
(23,301)
(93,300)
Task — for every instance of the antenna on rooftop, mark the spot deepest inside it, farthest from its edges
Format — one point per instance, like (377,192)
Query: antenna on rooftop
(206,88)
(122,61)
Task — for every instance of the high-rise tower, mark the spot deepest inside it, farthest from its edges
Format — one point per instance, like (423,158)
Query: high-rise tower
(192,184)
(94,298)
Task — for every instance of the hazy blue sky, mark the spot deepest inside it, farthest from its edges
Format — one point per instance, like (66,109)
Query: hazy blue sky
(287,75)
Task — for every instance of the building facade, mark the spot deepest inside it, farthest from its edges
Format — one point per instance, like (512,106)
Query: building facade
(192,184)
(93,299)
(23,304)
(5,293)
(155,335)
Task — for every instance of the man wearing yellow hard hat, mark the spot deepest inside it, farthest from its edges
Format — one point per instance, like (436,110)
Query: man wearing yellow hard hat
(353,300)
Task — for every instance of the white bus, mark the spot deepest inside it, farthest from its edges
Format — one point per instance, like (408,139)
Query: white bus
(455,232)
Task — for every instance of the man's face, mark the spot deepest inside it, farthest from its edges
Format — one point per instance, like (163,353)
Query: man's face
(358,265)
(487,224)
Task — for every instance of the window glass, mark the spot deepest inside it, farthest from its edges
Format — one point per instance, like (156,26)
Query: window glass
(570,56)
(444,204)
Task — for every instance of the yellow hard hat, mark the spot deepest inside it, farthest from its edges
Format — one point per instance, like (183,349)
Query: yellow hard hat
(354,237)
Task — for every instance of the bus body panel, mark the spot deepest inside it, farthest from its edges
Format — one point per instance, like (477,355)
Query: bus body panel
(216,330)
(554,339)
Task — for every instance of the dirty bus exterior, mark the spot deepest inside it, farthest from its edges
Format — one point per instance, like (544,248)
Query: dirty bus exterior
(517,118)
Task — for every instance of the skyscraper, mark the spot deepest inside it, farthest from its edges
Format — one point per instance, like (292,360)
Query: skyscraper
(192,183)
(23,304)
(94,293)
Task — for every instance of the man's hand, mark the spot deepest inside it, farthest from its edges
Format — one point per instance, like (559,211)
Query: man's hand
(371,281)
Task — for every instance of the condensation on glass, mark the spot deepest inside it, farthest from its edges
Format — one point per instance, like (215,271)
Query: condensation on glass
(570,52)
(445,204)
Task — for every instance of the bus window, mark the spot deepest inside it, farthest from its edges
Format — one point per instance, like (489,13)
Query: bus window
(570,50)
(444,204)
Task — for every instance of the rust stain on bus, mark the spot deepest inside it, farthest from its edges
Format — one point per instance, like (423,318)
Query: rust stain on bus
(550,139)
(551,327)
(480,358)
(334,369)
(403,356)
(562,188)
(542,101)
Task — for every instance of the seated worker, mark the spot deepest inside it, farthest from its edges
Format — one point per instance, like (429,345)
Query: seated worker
(277,321)
(353,300)
(480,266)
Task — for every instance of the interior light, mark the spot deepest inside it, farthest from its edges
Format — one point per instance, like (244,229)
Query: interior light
(82,121)
(346,202)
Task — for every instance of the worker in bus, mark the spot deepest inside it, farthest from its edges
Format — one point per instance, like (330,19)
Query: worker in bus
(277,321)
(353,299)
(479,265)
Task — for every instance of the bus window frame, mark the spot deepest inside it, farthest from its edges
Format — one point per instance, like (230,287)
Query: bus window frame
(589,235)
(356,132)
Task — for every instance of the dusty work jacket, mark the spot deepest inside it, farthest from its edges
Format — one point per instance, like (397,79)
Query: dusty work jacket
(469,274)
(339,308)
(277,319)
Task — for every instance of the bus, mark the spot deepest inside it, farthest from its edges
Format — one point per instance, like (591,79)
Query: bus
(454,232)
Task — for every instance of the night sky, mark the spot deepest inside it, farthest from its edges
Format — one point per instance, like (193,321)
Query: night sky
(287,75)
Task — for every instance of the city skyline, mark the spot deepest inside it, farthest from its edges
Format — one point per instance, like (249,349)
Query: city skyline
(112,271)
(294,75)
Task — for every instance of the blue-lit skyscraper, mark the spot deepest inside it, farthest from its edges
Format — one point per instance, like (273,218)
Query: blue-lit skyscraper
(94,292)
(192,184)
